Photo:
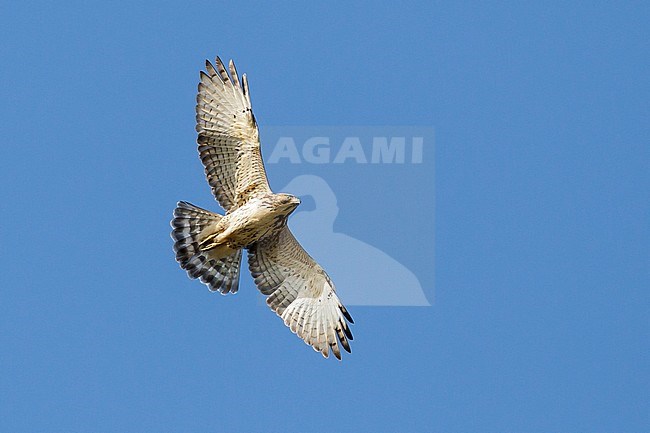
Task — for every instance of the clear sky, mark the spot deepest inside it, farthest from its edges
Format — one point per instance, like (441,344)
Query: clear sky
(534,254)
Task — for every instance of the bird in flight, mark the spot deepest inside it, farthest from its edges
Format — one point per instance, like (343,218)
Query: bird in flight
(209,246)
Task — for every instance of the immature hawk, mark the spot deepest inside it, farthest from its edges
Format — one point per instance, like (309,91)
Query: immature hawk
(209,246)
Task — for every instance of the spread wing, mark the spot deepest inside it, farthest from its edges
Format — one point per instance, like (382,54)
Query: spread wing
(300,292)
(229,144)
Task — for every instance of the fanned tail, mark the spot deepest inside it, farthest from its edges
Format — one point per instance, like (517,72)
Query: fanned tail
(219,271)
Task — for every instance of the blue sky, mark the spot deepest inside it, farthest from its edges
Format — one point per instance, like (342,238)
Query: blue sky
(534,253)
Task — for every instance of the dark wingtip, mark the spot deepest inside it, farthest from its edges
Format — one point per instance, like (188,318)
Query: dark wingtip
(345,344)
(346,314)
(348,333)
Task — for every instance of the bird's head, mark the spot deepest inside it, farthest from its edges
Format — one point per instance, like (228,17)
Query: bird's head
(288,201)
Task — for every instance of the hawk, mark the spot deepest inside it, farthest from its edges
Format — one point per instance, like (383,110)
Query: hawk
(209,246)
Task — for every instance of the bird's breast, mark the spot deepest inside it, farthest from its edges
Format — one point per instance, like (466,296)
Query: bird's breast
(253,221)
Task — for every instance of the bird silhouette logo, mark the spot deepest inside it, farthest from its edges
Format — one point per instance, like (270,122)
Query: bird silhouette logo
(365,275)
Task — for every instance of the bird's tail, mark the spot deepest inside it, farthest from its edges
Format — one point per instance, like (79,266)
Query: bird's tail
(218,268)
